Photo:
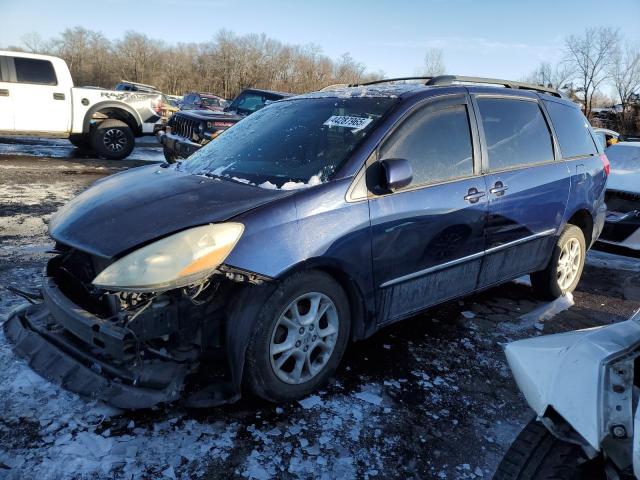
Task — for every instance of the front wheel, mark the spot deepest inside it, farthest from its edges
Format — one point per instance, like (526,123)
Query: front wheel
(565,268)
(112,139)
(299,338)
(537,455)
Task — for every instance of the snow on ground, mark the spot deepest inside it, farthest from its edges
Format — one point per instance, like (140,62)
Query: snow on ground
(616,262)
(67,436)
(146,148)
(537,316)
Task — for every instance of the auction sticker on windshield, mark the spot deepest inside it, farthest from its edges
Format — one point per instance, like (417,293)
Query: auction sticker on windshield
(354,123)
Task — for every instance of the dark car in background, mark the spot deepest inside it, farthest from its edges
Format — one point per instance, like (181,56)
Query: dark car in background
(128,86)
(187,131)
(203,101)
(622,228)
(316,221)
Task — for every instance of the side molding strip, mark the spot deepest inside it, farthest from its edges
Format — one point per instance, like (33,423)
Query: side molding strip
(468,258)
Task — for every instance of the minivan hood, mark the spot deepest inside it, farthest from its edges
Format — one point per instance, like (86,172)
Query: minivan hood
(135,207)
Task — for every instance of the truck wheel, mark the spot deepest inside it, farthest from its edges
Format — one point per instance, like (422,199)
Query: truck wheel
(565,268)
(537,455)
(299,338)
(112,139)
(169,155)
(81,140)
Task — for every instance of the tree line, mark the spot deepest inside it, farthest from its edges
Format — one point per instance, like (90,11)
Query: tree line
(597,59)
(225,65)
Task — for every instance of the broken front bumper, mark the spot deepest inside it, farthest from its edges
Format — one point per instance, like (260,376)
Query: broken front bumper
(60,358)
(179,146)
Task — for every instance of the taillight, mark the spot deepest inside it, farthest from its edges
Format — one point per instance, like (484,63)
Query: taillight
(605,162)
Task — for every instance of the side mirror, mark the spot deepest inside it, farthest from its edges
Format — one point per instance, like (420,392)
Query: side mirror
(397,173)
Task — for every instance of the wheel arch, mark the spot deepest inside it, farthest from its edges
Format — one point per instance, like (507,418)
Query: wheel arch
(360,317)
(116,111)
(583,219)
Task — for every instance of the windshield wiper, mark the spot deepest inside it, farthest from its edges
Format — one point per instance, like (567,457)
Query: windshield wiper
(224,178)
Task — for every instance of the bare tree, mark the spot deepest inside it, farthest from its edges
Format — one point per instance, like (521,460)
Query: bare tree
(139,57)
(548,75)
(433,63)
(33,42)
(625,76)
(590,55)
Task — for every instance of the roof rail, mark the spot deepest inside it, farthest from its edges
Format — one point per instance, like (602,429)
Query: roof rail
(443,80)
(389,80)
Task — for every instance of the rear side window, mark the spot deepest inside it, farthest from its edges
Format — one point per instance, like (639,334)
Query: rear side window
(572,129)
(436,143)
(516,133)
(32,70)
(4,70)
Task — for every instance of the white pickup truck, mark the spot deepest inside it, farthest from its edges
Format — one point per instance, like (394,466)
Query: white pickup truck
(37,98)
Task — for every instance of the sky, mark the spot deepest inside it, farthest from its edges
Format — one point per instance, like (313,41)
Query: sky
(495,38)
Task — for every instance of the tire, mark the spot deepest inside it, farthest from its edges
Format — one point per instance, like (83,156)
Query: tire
(537,455)
(548,283)
(112,139)
(80,140)
(169,156)
(262,377)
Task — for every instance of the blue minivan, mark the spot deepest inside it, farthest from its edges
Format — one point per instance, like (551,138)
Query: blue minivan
(314,222)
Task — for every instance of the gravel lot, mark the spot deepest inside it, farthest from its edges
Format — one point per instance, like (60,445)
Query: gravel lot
(431,397)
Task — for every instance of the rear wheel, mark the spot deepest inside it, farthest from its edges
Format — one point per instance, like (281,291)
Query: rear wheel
(537,455)
(565,268)
(112,139)
(299,338)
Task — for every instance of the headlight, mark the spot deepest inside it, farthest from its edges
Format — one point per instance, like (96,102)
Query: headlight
(175,261)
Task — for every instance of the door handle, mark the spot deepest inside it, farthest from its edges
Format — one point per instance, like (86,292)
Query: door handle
(498,189)
(473,195)
(4,92)
(58,96)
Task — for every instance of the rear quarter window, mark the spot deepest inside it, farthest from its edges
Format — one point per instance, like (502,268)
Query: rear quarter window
(572,129)
(35,71)
(516,133)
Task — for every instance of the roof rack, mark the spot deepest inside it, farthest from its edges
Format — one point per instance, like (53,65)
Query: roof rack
(388,80)
(443,80)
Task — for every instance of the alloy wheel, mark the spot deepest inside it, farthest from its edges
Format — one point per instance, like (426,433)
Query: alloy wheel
(569,263)
(304,338)
(115,140)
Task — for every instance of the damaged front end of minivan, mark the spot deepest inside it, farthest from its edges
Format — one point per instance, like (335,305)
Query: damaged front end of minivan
(99,334)
(584,387)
